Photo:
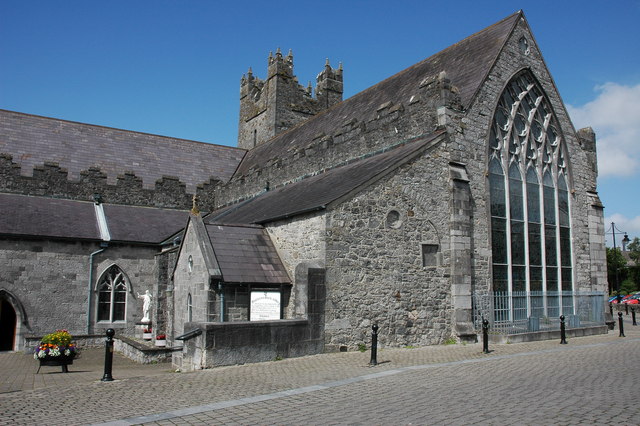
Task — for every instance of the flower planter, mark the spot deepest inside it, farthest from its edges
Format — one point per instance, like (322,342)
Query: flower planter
(146,336)
(161,343)
(56,361)
(56,350)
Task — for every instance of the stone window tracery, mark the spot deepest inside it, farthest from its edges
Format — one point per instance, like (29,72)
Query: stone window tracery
(112,295)
(529,201)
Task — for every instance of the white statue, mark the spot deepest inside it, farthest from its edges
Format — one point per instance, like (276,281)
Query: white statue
(146,306)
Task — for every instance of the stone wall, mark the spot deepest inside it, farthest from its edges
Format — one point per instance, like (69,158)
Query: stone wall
(232,343)
(191,278)
(375,270)
(50,282)
(300,242)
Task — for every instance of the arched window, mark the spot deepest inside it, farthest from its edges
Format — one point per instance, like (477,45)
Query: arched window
(530,206)
(189,308)
(112,295)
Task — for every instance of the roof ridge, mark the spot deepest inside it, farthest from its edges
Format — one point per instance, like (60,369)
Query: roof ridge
(320,122)
(44,117)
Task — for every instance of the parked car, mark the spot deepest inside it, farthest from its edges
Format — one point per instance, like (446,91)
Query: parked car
(633,300)
(615,298)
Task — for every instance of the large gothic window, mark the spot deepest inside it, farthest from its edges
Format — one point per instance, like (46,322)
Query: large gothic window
(529,200)
(112,295)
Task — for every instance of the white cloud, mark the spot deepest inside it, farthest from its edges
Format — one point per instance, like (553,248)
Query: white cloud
(615,117)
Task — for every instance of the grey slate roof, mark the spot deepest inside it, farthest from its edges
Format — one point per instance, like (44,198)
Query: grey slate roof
(466,63)
(22,215)
(40,217)
(143,224)
(245,254)
(318,191)
(32,140)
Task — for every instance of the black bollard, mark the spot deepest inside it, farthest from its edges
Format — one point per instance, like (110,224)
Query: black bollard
(374,345)
(620,324)
(108,355)
(611,308)
(626,308)
(633,316)
(563,332)
(485,336)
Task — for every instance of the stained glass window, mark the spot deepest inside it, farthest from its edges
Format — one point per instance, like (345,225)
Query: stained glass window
(529,197)
(112,295)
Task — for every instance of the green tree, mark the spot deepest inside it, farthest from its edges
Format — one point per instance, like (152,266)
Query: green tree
(616,269)
(634,249)
(634,255)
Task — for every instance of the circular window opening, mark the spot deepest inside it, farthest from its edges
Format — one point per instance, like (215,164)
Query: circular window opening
(393,219)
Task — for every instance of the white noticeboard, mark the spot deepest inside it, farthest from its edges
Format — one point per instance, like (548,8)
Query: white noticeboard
(265,305)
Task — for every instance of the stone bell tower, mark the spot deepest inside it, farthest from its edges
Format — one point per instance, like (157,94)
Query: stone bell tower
(278,103)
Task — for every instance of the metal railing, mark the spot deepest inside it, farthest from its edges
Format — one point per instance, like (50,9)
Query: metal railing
(529,311)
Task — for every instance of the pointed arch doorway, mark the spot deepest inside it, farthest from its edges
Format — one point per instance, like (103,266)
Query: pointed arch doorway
(8,322)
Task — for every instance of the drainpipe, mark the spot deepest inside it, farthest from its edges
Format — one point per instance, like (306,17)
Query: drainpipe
(91,285)
(221,301)
(103,227)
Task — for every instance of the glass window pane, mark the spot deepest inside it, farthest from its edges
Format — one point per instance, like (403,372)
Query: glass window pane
(551,256)
(519,278)
(499,240)
(552,278)
(500,278)
(496,188)
(567,279)
(517,243)
(515,193)
(565,246)
(549,200)
(118,311)
(533,196)
(563,202)
(104,304)
(535,278)
(535,244)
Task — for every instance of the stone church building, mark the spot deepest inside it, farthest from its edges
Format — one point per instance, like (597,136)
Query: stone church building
(459,176)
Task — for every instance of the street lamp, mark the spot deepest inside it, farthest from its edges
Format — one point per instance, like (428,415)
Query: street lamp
(625,240)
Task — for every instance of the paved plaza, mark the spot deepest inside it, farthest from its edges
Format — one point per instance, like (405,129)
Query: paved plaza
(592,380)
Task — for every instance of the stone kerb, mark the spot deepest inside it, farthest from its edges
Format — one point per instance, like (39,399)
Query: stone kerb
(142,353)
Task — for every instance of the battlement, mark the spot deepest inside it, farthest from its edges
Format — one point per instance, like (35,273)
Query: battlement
(278,103)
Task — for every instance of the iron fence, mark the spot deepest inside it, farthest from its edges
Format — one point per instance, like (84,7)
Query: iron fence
(529,311)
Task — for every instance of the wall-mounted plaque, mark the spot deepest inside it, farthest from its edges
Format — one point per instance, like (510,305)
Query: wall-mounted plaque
(265,305)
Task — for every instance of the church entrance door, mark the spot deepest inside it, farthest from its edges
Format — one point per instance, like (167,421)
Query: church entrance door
(7,326)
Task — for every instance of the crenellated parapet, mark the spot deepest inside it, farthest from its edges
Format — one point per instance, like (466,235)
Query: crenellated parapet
(51,180)
(278,103)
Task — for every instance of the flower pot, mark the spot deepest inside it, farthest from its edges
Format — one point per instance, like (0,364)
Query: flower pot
(161,343)
(146,336)
(56,361)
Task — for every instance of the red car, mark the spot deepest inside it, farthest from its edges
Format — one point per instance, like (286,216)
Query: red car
(623,298)
(633,300)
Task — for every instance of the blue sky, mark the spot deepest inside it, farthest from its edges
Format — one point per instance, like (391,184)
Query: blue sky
(174,67)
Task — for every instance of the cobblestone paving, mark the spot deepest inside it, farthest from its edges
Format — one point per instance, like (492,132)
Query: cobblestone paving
(591,380)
